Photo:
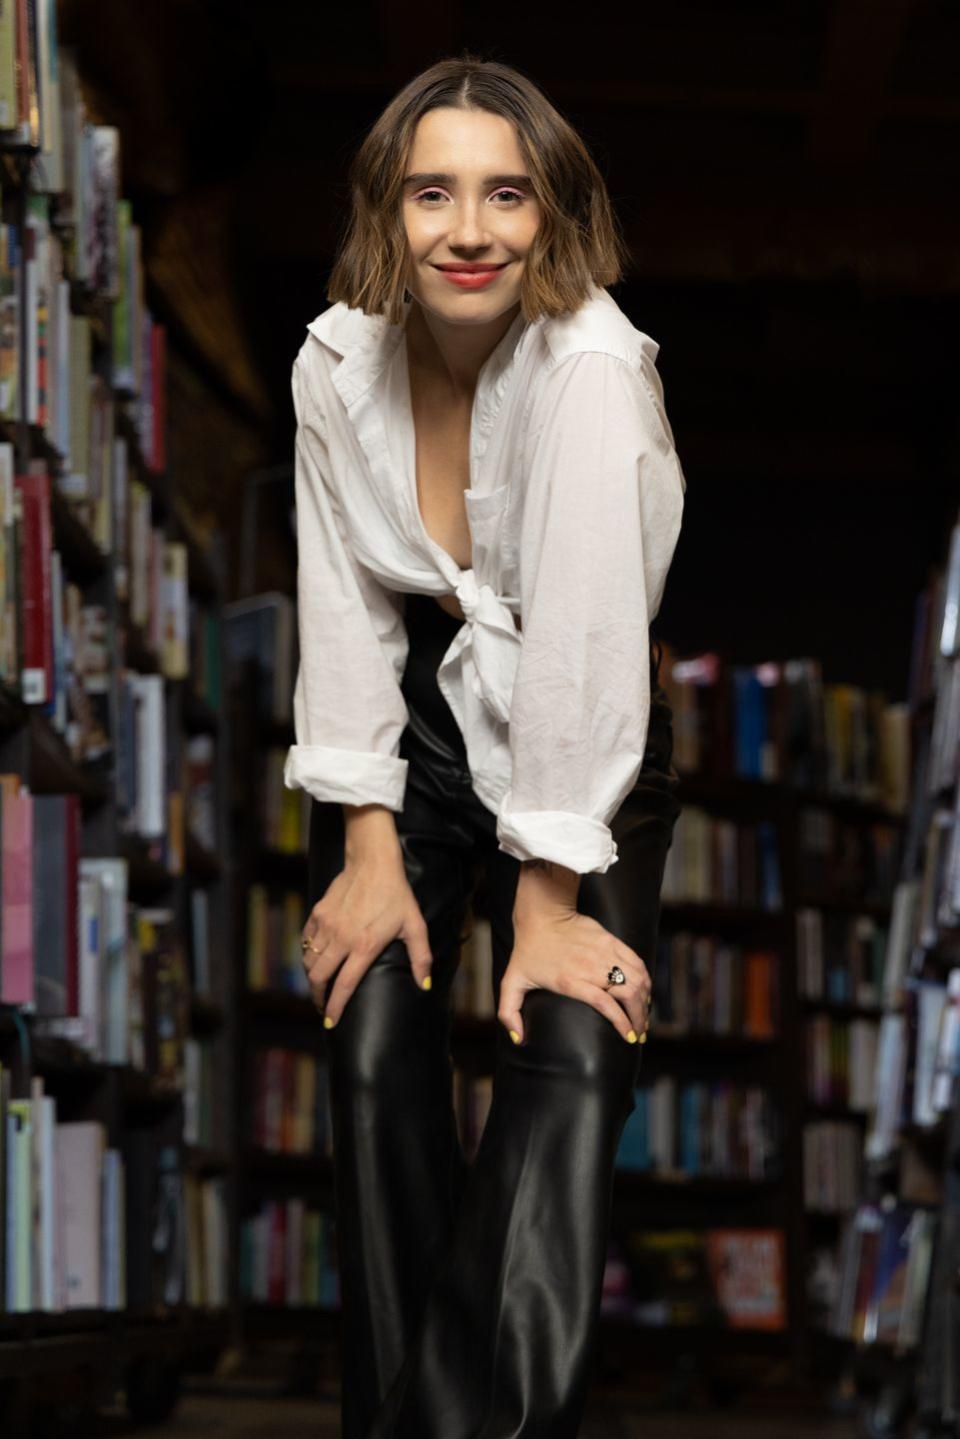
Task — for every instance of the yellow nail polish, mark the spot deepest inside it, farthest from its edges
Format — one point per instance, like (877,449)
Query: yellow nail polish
(631,1036)
(643,1037)
(327,1022)
(428,982)
(514,1036)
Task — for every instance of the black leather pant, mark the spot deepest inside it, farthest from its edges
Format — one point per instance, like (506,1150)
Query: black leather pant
(471,1293)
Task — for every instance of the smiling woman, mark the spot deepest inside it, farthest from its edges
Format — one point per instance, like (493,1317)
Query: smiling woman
(480,427)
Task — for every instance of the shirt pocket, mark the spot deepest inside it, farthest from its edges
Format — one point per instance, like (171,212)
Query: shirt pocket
(494,559)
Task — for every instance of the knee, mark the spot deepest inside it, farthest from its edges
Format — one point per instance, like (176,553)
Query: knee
(383,1035)
(576,1041)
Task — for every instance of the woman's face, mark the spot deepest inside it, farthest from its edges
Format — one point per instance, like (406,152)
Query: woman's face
(467,202)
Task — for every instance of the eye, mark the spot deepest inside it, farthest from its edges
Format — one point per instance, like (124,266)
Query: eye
(424,194)
(510,194)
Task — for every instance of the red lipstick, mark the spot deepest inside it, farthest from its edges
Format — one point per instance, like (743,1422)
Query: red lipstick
(470,276)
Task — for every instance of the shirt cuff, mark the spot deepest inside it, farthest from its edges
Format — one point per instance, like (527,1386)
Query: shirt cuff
(344,776)
(573,840)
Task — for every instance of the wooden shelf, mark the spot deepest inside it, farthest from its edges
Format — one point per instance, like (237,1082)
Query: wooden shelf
(844,904)
(699,913)
(83,559)
(276,1164)
(202,865)
(202,1160)
(842,1009)
(734,789)
(206,1015)
(149,879)
(813,1110)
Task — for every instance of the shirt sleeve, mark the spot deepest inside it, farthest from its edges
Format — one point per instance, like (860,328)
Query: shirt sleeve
(602,505)
(348,709)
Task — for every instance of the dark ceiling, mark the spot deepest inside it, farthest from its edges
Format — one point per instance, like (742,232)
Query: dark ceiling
(785,174)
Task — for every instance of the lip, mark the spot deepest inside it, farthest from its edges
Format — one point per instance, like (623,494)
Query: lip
(470,267)
(470,277)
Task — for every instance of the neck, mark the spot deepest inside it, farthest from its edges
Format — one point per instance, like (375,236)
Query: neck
(456,351)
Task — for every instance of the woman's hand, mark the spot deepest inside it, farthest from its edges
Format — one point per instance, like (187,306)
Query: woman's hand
(369,904)
(557,948)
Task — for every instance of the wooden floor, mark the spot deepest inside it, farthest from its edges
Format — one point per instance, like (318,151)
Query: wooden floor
(246,1418)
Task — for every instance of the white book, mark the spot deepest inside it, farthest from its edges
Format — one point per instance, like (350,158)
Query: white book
(900,938)
(113,993)
(888,1086)
(931,999)
(80,1149)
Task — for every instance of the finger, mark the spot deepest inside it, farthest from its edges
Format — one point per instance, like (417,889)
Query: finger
(512,991)
(355,965)
(416,937)
(604,1002)
(631,962)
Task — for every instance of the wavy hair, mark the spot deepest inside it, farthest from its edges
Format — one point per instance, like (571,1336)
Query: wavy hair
(578,241)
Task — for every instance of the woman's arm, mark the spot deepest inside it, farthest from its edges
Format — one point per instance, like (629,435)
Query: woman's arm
(602,506)
(349,714)
(348,709)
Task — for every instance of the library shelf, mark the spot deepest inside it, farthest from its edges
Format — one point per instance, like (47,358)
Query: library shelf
(139,655)
(702,1337)
(200,1159)
(206,1014)
(140,1112)
(814,1110)
(281,1164)
(149,878)
(282,1321)
(700,913)
(83,558)
(845,904)
(639,1184)
(202,865)
(745,789)
(842,1008)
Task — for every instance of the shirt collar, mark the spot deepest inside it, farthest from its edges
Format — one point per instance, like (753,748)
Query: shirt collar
(365,344)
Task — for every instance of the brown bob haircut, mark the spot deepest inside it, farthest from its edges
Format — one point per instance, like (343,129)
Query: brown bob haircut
(578,241)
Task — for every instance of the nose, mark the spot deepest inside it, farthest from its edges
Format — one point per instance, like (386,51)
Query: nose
(467,229)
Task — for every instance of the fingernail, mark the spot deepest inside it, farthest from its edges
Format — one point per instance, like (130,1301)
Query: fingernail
(514,1036)
(631,1036)
(428,982)
(327,1022)
(643,1037)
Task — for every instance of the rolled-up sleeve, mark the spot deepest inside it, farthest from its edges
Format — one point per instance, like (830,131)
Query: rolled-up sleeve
(602,505)
(348,710)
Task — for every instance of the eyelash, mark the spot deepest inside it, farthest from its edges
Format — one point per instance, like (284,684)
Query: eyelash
(504,190)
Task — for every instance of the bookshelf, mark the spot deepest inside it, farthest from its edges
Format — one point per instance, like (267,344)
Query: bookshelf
(116,1020)
(894,1314)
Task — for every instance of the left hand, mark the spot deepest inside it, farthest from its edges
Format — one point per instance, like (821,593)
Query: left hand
(557,948)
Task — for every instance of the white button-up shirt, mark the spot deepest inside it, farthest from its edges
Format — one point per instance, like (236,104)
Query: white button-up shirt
(574,508)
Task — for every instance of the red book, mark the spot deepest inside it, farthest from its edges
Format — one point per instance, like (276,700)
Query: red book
(16,896)
(158,368)
(37,590)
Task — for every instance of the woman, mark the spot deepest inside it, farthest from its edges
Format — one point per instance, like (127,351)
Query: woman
(488,500)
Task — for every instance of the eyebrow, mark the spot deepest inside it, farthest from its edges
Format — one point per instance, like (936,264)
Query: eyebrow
(437,177)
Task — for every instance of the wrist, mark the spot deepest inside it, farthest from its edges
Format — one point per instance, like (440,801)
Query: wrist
(544,887)
(370,833)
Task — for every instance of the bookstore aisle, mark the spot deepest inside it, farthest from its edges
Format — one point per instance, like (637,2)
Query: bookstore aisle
(785,1226)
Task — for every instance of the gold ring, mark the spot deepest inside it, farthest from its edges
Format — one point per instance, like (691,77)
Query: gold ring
(305,945)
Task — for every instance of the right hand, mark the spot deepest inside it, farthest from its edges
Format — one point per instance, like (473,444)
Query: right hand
(369,904)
